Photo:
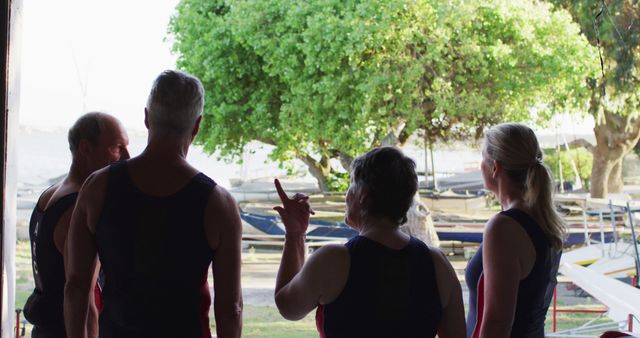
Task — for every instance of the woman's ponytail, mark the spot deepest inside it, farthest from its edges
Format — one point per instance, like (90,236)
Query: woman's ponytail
(538,197)
(516,147)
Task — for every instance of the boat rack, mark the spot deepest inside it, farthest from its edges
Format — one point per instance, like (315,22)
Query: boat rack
(311,243)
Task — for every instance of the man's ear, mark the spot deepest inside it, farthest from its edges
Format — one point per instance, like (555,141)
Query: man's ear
(84,147)
(196,127)
(146,118)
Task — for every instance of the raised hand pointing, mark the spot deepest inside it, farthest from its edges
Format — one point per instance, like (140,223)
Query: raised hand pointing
(294,211)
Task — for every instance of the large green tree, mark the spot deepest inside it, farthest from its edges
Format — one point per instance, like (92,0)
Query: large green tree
(324,80)
(615,97)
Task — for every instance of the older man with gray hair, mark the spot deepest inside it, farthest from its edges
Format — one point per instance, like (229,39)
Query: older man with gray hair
(157,224)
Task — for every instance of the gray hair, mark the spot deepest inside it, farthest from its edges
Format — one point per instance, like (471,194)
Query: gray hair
(87,127)
(175,102)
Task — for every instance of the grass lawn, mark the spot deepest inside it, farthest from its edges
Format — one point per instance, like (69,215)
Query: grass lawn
(265,321)
(24,274)
(566,321)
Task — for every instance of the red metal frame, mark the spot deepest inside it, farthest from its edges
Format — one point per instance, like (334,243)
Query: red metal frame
(581,311)
(556,310)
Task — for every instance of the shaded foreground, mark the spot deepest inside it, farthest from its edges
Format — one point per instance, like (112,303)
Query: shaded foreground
(261,317)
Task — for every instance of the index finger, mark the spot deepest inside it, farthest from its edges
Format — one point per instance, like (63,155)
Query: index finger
(283,196)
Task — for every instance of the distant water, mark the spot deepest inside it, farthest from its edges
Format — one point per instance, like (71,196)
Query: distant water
(44,155)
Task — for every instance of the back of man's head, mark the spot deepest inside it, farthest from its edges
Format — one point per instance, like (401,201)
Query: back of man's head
(175,102)
(87,127)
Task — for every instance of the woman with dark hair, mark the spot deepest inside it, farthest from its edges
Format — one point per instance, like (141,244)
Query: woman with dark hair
(382,283)
(512,276)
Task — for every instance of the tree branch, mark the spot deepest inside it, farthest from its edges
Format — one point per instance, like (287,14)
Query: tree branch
(582,143)
(315,169)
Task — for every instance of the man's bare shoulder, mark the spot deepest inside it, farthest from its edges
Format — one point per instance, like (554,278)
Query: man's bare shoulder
(45,197)
(221,200)
(97,177)
(222,210)
(222,218)
(94,185)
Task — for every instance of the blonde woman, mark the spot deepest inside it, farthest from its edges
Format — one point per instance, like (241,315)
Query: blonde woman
(512,276)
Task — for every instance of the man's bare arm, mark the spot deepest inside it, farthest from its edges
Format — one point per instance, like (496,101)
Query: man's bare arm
(224,233)
(93,313)
(81,258)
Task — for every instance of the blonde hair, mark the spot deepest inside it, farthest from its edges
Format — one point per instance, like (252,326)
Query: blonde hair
(516,147)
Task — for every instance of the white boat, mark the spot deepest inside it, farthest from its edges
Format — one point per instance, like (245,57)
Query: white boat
(622,266)
(610,259)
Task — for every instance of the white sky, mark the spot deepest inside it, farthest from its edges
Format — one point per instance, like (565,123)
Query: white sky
(85,55)
(111,50)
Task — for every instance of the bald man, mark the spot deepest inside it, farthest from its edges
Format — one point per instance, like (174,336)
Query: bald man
(95,140)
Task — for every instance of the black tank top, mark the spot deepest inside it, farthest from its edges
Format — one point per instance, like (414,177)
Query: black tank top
(155,258)
(44,306)
(534,291)
(389,293)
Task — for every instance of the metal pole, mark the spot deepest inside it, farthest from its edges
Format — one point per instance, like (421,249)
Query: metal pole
(601,231)
(584,223)
(433,168)
(634,239)
(613,222)
(560,171)
(426,159)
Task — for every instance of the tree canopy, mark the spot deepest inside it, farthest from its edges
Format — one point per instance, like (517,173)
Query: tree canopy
(615,95)
(325,80)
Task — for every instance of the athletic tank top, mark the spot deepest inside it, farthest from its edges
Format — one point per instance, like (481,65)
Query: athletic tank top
(155,258)
(534,291)
(389,293)
(44,306)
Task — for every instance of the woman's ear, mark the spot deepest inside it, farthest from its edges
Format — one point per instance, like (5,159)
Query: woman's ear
(362,194)
(496,169)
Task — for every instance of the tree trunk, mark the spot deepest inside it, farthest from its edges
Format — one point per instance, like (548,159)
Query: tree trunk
(345,160)
(599,175)
(615,136)
(614,183)
(320,170)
